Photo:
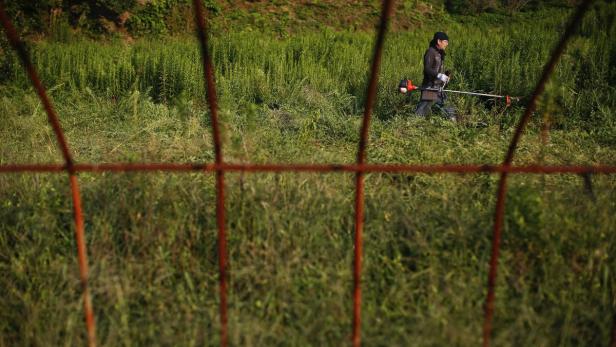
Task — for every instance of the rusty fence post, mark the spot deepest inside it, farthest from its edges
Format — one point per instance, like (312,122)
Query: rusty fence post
(208,74)
(359,176)
(502,184)
(53,120)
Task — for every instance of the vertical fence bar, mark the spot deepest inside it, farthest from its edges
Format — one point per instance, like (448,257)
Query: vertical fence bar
(82,258)
(359,176)
(53,120)
(208,72)
(502,185)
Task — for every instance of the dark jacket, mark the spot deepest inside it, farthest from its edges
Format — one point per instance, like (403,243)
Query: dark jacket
(433,65)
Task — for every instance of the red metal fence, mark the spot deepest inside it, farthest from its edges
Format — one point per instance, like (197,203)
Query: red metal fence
(360,168)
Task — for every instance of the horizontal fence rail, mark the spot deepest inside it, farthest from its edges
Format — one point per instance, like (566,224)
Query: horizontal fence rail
(315,168)
(360,168)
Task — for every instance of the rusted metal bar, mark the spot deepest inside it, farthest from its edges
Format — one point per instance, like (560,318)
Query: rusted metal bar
(359,177)
(357,260)
(315,168)
(502,185)
(82,258)
(52,117)
(208,74)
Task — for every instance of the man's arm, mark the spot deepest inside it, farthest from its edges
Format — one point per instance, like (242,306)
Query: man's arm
(431,65)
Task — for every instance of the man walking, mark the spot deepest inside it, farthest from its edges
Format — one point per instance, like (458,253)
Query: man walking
(435,78)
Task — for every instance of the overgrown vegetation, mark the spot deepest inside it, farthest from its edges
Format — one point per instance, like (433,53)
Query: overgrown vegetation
(152,237)
(128,18)
(254,68)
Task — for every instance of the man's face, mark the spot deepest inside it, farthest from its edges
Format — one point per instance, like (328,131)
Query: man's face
(442,44)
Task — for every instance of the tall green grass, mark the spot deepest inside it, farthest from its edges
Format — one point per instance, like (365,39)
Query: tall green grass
(152,239)
(256,68)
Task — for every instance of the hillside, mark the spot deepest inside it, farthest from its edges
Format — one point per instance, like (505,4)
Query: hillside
(134,18)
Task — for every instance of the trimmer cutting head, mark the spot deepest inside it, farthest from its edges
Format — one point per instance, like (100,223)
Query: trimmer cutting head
(406,86)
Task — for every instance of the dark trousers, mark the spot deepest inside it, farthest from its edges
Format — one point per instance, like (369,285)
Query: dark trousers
(424,108)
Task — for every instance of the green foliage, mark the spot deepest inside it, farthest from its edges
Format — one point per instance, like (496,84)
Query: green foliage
(257,68)
(7,57)
(116,6)
(157,17)
(150,19)
(138,18)
(30,16)
(474,7)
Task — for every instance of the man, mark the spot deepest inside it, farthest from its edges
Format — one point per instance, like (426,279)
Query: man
(435,78)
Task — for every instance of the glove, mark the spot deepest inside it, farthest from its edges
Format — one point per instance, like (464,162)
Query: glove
(443,77)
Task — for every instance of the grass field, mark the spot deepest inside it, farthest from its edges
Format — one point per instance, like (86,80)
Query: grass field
(152,237)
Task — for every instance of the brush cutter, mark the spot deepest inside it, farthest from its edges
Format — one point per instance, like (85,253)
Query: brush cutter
(406,86)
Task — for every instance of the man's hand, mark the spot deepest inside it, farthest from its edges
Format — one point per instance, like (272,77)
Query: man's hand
(443,77)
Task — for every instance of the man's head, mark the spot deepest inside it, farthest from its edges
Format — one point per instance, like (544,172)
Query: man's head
(441,40)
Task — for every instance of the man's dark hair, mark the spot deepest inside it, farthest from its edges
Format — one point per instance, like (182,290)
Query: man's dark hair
(439,35)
